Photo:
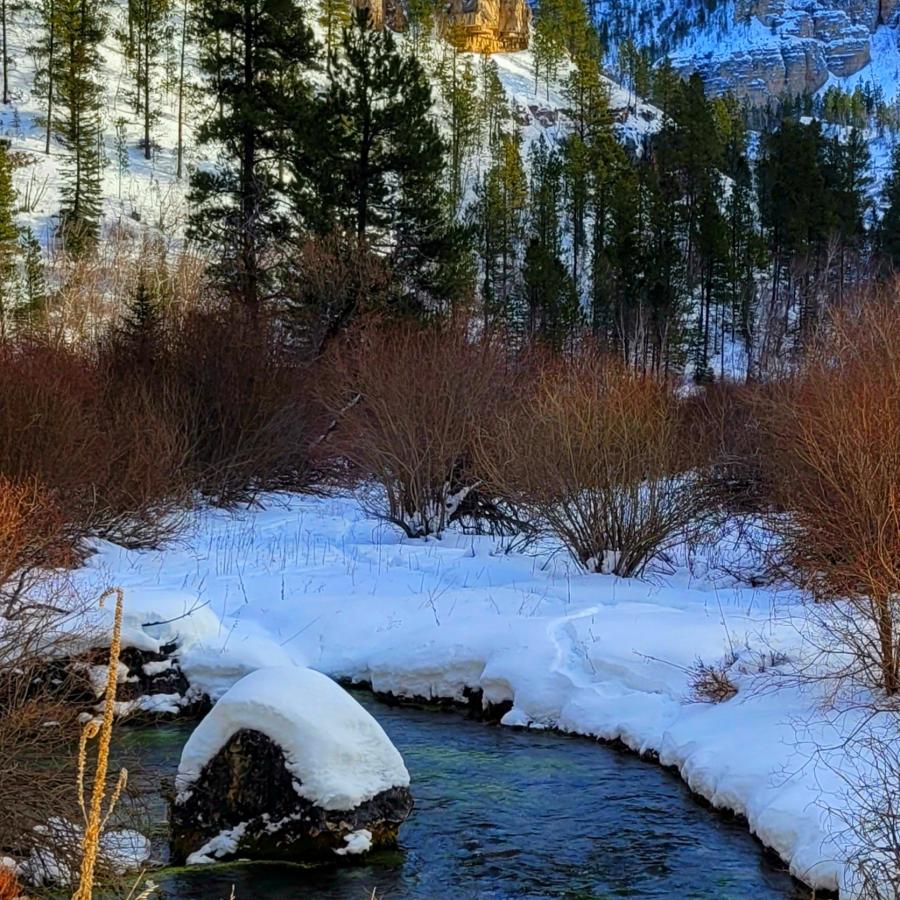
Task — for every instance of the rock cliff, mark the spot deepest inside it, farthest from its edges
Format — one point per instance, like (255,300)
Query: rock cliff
(775,47)
(474,26)
(486,26)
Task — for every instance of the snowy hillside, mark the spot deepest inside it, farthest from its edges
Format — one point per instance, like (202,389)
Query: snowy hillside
(762,48)
(142,192)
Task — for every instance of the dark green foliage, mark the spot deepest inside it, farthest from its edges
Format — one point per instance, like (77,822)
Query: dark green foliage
(80,27)
(551,301)
(255,55)
(382,163)
(9,239)
(889,231)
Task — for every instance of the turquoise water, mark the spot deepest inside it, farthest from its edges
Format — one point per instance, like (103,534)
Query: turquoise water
(501,813)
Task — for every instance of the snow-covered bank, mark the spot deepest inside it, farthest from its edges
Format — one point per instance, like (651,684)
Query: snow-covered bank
(314,582)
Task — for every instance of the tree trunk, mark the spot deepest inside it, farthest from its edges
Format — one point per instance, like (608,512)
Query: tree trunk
(249,199)
(51,61)
(147,26)
(5,56)
(886,641)
(180,151)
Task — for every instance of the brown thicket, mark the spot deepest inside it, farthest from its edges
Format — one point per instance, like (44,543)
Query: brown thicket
(408,400)
(723,423)
(37,724)
(336,280)
(245,404)
(593,452)
(836,473)
(110,457)
(33,536)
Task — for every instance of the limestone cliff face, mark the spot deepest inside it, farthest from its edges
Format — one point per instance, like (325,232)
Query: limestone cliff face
(474,26)
(486,26)
(790,46)
(384,13)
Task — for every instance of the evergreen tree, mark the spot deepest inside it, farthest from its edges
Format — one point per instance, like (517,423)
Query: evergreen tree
(889,230)
(334,17)
(9,236)
(44,49)
(499,217)
(459,88)
(140,330)
(384,160)
(255,56)
(495,113)
(552,305)
(153,33)
(80,26)
(847,175)
(34,281)
(797,212)
(547,43)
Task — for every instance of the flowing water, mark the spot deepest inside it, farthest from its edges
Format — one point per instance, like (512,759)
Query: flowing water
(501,813)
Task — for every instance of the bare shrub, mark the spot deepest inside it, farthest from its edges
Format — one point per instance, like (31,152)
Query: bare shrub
(108,455)
(409,399)
(38,727)
(711,683)
(88,292)
(336,278)
(592,451)
(246,404)
(33,537)
(836,472)
(723,417)
(869,807)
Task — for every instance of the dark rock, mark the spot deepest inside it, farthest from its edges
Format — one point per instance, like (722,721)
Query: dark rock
(247,792)
(151,684)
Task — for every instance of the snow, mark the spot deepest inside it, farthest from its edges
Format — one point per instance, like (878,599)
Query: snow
(358,842)
(338,753)
(314,582)
(123,851)
(223,844)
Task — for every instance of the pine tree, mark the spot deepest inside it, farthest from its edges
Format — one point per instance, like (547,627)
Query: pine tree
(586,150)
(421,24)
(547,43)
(551,300)
(334,17)
(9,237)
(140,330)
(182,54)
(383,160)
(255,56)
(499,216)
(44,49)
(495,113)
(847,168)
(889,230)
(34,281)
(81,27)
(153,33)
(459,89)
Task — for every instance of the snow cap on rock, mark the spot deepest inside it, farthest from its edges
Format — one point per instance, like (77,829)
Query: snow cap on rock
(339,755)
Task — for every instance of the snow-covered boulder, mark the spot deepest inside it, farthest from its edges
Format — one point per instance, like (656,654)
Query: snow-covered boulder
(287,766)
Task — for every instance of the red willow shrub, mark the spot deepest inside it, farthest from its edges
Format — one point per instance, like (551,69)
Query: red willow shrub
(835,470)
(246,404)
(407,400)
(593,452)
(109,458)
